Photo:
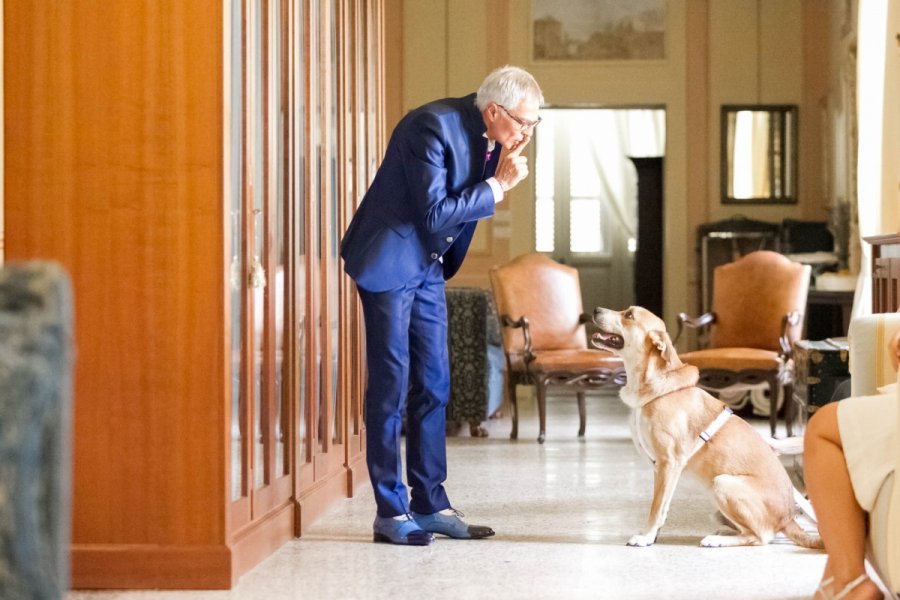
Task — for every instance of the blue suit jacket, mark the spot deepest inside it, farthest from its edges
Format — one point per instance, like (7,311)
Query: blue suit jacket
(426,198)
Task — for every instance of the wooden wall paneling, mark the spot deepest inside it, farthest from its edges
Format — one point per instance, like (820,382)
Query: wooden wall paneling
(304,475)
(317,489)
(130,132)
(300,449)
(275,488)
(286,76)
(240,512)
(112,163)
(267,193)
(229,253)
(321,199)
(333,452)
(356,36)
(352,122)
(252,534)
(344,192)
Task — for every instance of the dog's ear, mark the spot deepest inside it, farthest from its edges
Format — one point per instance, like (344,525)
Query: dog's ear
(665,347)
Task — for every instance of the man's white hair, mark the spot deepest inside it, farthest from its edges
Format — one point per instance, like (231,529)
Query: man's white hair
(508,86)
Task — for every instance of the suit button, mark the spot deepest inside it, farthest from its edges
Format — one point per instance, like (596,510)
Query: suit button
(449,238)
(434,256)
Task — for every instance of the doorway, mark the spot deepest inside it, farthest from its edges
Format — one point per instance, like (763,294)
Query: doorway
(587,200)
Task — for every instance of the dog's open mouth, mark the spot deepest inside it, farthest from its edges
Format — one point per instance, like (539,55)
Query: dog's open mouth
(607,340)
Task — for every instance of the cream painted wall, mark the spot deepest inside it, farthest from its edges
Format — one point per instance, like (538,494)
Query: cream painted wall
(721,51)
(890,183)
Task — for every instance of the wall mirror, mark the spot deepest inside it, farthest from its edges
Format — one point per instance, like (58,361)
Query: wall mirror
(759,154)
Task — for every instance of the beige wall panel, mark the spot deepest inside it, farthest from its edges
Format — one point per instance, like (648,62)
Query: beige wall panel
(890,208)
(755,57)
(467,46)
(733,43)
(393,62)
(425,61)
(780,51)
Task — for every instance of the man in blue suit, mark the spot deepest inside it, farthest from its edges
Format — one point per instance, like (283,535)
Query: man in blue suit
(446,166)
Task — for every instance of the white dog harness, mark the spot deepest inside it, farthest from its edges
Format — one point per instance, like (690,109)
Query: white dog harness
(638,429)
(710,431)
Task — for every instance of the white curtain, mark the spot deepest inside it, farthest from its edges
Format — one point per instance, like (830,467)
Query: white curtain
(614,136)
(872,36)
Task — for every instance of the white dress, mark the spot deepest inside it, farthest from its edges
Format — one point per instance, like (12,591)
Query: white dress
(868,427)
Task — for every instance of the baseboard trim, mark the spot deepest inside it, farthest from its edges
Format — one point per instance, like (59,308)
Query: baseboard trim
(154,566)
(150,566)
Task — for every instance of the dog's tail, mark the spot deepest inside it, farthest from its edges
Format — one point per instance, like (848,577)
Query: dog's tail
(805,506)
(800,537)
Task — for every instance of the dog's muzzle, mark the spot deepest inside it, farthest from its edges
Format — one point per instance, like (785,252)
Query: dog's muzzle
(604,339)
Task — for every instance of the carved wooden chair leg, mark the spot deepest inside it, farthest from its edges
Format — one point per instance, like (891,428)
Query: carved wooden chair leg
(581,414)
(790,408)
(541,386)
(774,386)
(513,406)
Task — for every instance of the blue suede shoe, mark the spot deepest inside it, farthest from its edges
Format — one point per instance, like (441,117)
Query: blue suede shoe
(403,531)
(448,522)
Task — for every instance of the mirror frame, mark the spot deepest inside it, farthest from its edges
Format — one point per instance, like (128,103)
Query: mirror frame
(789,153)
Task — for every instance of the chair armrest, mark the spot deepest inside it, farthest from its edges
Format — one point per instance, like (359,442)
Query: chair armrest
(792,319)
(522,322)
(493,324)
(684,320)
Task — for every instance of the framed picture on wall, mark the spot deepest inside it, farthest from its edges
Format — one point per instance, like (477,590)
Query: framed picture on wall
(598,30)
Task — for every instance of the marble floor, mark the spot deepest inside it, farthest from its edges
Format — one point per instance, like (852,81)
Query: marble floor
(562,511)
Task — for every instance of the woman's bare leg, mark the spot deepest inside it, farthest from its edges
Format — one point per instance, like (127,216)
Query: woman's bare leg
(842,522)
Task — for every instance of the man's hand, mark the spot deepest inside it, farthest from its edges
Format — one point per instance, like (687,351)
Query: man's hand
(513,167)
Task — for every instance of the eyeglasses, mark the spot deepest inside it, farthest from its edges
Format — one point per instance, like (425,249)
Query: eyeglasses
(524,125)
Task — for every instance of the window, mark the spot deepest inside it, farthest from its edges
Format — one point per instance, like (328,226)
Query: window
(585,185)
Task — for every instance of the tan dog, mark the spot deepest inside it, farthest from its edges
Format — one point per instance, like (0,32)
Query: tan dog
(669,414)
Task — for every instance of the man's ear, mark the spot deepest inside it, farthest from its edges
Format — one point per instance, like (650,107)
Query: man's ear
(665,347)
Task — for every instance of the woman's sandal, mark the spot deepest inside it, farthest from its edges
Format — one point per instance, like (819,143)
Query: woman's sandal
(826,593)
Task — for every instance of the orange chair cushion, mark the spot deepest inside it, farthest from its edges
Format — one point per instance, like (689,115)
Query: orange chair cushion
(574,360)
(733,359)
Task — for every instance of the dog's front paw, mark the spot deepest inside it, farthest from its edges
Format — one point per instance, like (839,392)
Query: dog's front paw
(642,539)
(721,541)
(712,541)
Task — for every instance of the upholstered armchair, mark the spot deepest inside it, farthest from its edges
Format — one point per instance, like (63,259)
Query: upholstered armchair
(757,314)
(544,335)
(476,358)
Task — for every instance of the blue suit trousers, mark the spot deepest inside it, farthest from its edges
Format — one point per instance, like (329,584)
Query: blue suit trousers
(408,364)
